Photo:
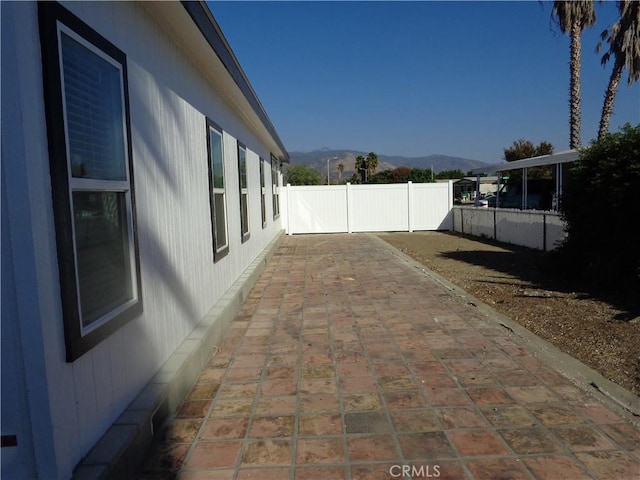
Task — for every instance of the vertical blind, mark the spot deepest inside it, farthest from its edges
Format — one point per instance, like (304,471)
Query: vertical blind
(93,102)
(95,133)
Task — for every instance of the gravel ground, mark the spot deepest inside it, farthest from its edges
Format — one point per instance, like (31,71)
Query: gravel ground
(600,333)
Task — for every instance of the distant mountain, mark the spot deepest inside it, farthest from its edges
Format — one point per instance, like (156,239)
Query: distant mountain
(318,160)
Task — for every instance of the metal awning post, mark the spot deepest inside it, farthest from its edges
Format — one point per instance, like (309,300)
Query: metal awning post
(524,188)
(559,185)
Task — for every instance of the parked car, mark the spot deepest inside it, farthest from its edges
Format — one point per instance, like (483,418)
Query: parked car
(492,201)
(483,202)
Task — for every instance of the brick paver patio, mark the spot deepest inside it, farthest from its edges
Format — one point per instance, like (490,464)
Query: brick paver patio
(346,362)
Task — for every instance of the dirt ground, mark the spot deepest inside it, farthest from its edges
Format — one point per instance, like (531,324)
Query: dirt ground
(601,333)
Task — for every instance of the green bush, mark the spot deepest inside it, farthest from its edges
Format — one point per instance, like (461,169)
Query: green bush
(302,175)
(402,175)
(601,208)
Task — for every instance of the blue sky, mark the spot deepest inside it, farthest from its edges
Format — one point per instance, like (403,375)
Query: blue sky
(419,78)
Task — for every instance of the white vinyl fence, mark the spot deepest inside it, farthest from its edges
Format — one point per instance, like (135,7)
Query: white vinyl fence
(367,208)
(408,207)
(528,228)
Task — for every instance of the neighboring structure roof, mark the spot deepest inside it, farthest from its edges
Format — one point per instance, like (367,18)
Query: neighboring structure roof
(473,180)
(206,23)
(465,181)
(487,179)
(561,157)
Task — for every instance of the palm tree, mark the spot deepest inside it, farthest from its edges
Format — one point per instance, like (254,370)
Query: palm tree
(371,163)
(340,170)
(361,167)
(572,18)
(624,46)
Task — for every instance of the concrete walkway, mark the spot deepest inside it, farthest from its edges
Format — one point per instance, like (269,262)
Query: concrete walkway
(347,362)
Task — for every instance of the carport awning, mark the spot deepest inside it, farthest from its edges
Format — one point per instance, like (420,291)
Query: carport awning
(556,158)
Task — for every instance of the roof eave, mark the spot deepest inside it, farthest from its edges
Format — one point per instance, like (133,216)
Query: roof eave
(206,23)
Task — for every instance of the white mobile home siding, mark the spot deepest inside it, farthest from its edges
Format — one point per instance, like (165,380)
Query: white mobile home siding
(171,92)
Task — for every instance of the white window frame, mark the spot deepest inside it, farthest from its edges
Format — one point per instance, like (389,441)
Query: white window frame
(244,192)
(275,188)
(220,249)
(263,194)
(77,184)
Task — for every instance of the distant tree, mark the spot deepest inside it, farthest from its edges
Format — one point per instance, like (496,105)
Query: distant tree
(354,178)
(450,174)
(399,175)
(420,175)
(380,177)
(624,46)
(371,163)
(573,17)
(361,168)
(302,175)
(340,170)
(526,149)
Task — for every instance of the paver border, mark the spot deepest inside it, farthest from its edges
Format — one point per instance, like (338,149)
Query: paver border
(619,399)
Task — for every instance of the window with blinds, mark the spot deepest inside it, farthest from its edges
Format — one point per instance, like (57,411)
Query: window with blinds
(95,129)
(85,90)
(217,192)
(263,191)
(93,107)
(244,191)
(275,192)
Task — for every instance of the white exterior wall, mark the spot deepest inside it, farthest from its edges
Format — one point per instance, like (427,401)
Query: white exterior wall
(15,399)
(72,404)
(27,237)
